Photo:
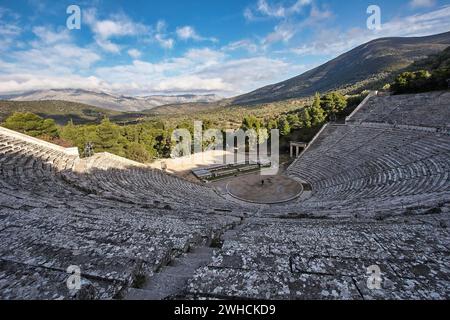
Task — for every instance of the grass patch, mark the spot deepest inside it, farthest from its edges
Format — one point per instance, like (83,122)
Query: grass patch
(139,281)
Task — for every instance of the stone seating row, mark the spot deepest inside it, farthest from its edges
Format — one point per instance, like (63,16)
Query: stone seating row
(48,223)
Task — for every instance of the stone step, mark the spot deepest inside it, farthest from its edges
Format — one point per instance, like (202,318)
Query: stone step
(172,279)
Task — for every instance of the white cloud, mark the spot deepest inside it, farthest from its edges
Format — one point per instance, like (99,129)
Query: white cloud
(53,50)
(161,35)
(118,25)
(198,70)
(27,82)
(248,14)
(51,60)
(179,75)
(166,43)
(297,7)
(9,28)
(134,53)
(333,42)
(48,36)
(191,83)
(8,13)
(115,26)
(279,11)
(253,72)
(432,22)
(188,33)
(288,27)
(245,44)
(107,45)
(54,61)
(318,14)
(205,54)
(422,3)
(282,32)
(62,57)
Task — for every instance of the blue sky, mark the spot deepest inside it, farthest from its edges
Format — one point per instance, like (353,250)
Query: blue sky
(227,47)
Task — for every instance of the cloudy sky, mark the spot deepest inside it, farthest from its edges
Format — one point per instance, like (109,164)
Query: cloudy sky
(228,47)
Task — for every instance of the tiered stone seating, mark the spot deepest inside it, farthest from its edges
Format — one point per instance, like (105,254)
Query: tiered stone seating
(112,176)
(363,167)
(320,259)
(425,109)
(122,222)
(48,224)
(392,155)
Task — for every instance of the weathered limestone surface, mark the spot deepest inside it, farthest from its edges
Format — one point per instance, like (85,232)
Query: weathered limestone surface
(380,196)
(52,217)
(372,169)
(314,259)
(430,109)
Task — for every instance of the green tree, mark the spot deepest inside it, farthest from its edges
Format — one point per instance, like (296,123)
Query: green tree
(70,132)
(317,101)
(333,103)
(32,125)
(186,124)
(251,122)
(305,118)
(294,121)
(108,138)
(285,128)
(318,115)
(74,134)
(137,152)
(162,144)
(272,124)
(412,82)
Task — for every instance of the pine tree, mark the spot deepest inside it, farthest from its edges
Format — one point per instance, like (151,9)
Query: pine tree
(32,125)
(305,118)
(285,128)
(108,138)
(333,102)
(294,121)
(316,111)
(316,103)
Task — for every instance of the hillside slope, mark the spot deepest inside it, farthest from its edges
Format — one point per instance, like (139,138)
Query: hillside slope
(60,111)
(434,62)
(352,70)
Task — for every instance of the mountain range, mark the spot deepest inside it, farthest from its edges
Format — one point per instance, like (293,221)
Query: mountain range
(109,101)
(351,72)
